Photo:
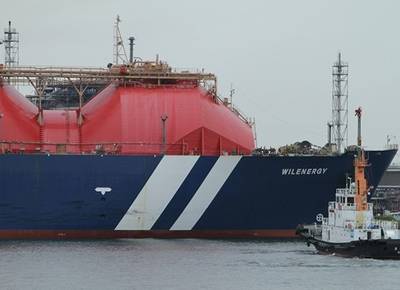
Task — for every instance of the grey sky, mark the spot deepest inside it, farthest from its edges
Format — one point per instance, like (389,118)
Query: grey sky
(278,54)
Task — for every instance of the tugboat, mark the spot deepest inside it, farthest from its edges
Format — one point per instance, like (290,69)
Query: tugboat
(350,230)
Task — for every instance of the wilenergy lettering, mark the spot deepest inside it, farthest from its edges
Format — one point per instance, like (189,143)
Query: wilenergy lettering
(304,171)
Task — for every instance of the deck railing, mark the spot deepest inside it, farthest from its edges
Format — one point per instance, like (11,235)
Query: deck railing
(106,148)
(109,148)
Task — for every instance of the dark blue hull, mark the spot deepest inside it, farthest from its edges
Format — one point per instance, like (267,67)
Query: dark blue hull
(174,196)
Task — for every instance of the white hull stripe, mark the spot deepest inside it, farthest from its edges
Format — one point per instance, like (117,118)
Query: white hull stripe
(157,192)
(206,192)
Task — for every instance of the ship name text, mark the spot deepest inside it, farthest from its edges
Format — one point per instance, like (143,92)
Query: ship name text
(304,171)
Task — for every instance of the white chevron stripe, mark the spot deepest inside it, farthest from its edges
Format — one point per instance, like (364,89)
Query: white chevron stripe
(206,192)
(157,192)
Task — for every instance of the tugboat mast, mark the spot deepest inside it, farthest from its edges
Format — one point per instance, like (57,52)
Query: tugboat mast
(359,175)
(358,114)
(361,183)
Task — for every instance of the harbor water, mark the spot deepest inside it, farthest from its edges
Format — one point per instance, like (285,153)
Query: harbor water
(185,264)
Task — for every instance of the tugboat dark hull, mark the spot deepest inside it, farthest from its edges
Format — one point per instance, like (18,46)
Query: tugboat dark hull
(374,249)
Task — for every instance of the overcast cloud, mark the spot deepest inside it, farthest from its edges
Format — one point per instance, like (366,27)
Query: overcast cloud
(277,54)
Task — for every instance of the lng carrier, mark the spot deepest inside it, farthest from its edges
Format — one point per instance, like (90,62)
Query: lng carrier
(149,151)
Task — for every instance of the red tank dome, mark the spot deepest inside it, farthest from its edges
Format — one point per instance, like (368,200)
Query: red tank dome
(195,123)
(17,118)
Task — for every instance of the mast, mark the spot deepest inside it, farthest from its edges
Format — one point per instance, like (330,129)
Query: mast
(358,114)
(11,46)
(11,49)
(119,48)
(360,163)
(339,103)
(361,190)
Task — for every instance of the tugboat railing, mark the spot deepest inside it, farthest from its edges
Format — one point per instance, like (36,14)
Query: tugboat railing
(345,191)
(386,224)
(345,206)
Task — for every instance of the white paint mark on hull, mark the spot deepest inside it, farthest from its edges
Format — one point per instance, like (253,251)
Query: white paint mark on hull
(206,192)
(157,192)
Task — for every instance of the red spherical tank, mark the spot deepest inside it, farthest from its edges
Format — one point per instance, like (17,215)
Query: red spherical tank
(190,120)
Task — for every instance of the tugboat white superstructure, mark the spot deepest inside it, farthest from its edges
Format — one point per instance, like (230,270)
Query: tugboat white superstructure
(350,216)
(350,228)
